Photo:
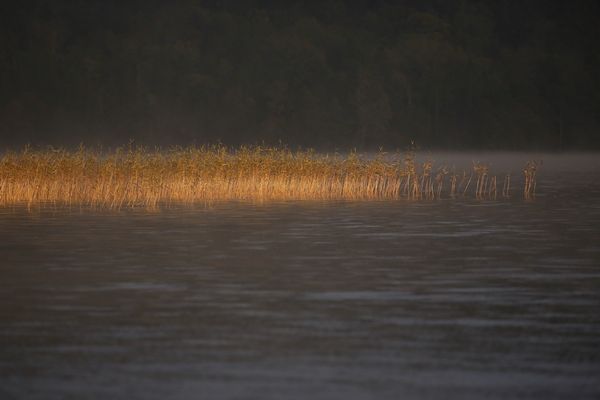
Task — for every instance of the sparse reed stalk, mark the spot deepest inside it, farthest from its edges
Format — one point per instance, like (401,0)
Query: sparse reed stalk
(506,186)
(530,175)
(481,173)
(426,186)
(131,177)
(439,180)
(468,183)
(493,187)
(453,180)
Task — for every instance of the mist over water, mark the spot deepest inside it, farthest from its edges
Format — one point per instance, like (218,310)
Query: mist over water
(451,298)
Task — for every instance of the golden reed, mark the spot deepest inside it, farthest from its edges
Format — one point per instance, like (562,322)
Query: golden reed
(139,177)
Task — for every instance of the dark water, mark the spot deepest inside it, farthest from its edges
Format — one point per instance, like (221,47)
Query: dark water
(439,299)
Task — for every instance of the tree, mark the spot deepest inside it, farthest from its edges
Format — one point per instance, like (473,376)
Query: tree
(372,109)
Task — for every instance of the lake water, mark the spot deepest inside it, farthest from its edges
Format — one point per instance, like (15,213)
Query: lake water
(309,300)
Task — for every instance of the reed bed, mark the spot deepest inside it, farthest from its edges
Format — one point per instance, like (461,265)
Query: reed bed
(135,177)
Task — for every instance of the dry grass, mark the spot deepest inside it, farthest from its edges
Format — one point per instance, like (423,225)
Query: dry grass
(139,177)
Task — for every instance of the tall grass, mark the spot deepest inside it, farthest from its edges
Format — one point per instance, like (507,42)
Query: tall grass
(140,177)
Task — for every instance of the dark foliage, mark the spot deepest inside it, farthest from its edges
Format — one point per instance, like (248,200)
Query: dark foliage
(332,73)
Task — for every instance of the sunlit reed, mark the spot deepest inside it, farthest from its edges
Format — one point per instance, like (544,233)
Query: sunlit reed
(131,177)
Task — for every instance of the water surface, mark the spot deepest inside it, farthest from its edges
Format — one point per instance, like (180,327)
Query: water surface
(453,298)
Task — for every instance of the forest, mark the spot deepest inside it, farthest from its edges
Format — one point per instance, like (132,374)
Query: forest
(331,74)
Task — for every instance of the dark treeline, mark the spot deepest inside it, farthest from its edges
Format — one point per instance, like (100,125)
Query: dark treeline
(447,74)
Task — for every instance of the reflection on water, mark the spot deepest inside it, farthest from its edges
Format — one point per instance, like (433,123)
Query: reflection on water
(439,299)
